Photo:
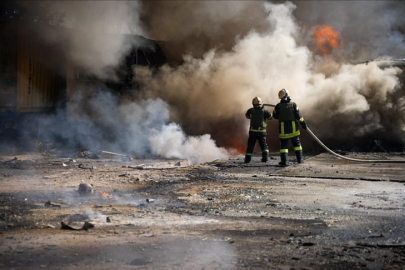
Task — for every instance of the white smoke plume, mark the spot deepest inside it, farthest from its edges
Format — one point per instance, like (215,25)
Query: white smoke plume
(142,128)
(172,142)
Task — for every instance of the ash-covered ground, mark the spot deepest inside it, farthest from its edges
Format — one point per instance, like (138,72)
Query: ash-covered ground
(327,213)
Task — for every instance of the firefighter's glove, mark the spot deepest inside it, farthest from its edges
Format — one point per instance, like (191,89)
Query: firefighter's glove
(304,125)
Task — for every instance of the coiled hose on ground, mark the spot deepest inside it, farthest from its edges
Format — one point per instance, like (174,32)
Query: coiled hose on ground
(343,157)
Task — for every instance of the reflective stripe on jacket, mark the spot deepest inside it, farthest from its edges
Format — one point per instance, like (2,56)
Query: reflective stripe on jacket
(258,119)
(288,115)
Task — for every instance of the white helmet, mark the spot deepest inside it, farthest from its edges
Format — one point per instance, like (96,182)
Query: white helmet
(282,93)
(257,101)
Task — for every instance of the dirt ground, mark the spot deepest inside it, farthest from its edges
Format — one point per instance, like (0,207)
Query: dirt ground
(327,213)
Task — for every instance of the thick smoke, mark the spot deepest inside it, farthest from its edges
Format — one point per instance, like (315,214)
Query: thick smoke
(140,128)
(195,27)
(170,141)
(231,52)
(97,32)
(370,29)
(96,39)
(221,84)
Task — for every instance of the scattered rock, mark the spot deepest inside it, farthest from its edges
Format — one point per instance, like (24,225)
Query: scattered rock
(85,189)
(87,225)
(139,262)
(51,204)
(181,163)
(376,236)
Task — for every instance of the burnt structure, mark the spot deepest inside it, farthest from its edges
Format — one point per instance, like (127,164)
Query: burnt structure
(37,77)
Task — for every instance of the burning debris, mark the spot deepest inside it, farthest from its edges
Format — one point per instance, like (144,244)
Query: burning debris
(104,194)
(88,190)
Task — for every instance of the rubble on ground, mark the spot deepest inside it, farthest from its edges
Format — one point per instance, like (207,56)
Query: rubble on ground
(327,213)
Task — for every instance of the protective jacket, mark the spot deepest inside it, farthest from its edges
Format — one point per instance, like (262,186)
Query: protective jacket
(258,117)
(257,131)
(288,115)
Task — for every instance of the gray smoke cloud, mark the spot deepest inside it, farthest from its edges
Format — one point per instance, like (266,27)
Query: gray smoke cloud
(96,36)
(195,27)
(142,128)
(370,29)
(97,33)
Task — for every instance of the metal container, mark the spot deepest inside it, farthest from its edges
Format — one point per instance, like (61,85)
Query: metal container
(8,69)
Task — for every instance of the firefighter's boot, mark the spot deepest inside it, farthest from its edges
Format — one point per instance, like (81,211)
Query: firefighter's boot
(248,158)
(283,162)
(265,156)
(298,154)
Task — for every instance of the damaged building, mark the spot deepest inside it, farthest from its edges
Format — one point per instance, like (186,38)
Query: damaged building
(38,78)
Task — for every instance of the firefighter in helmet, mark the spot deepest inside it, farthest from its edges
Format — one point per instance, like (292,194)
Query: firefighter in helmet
(257,130)
(288,116)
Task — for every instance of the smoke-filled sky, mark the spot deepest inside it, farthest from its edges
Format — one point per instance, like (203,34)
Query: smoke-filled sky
(228,52)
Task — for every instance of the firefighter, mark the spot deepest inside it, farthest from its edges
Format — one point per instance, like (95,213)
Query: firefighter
(257,130)
(288,116)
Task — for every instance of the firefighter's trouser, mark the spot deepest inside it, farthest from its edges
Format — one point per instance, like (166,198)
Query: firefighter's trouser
(261,138)
(284,149)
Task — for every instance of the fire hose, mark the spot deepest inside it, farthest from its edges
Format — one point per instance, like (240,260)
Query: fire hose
(340,156)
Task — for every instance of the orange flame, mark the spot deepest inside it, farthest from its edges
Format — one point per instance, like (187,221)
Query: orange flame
(104,194)
(237,144)
(326,38)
